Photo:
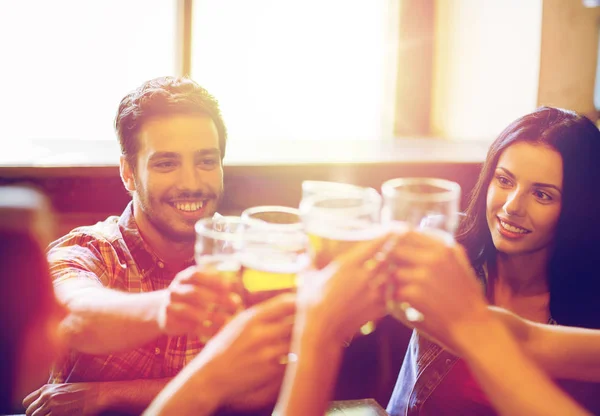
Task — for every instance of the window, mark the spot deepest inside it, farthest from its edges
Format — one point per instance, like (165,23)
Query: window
(487,66)
(298,70)
(71,61)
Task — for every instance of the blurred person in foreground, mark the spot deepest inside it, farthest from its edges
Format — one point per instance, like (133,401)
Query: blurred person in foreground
(30,313)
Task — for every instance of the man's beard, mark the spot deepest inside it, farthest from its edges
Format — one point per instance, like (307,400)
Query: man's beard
(161,225)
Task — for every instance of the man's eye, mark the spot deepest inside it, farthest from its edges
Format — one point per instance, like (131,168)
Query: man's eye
(165,165)
(208,162)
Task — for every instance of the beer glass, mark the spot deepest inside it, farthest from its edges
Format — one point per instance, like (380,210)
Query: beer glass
(338,219)
(428,204)
(215,248)
(272,251)
(214,252)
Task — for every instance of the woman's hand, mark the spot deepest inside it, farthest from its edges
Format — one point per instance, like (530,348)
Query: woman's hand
(243,359)
(435,277)
(336,301)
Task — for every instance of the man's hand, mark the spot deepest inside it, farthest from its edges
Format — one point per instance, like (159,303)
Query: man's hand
(197,302)
(63,399)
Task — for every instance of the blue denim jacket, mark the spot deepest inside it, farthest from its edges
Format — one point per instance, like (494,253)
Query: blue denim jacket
(425,366)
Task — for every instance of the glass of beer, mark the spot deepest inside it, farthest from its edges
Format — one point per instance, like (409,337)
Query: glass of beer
(272,252)
(215,248)
(428,204)
(339,218)
(215,252)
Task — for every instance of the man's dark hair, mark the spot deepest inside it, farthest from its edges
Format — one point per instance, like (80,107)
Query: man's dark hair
(160,97)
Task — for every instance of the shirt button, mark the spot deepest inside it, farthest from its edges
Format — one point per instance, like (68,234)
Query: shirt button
(448,361)
(161,264)
(156,351)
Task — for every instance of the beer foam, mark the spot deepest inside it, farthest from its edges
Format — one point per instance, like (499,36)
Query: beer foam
(350,234)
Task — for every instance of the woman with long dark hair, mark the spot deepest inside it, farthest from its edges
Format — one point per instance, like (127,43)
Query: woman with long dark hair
(530,232)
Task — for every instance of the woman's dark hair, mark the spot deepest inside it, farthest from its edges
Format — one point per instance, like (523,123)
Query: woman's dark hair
(572,277)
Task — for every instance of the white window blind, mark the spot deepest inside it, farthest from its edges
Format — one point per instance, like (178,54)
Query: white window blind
(66,64)
(298,69)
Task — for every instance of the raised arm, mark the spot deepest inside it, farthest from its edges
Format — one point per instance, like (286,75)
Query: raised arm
(103,320)
(122,397)
(333,304)
(437,279)
(561,351)
(510,378)
(242,359)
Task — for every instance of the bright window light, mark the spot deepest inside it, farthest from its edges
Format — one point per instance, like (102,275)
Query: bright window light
(486,64)
(298,70)
(67,63)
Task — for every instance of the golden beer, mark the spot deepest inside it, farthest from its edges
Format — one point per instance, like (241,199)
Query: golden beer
(325,244)
(262,280)
(225,265)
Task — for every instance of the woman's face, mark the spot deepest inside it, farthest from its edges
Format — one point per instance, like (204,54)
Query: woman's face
(524,199)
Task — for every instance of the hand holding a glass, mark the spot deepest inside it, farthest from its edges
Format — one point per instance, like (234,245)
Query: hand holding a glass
(197,301)
(424,205)
(217,262)
(337,217)
(436,278)
(337,300)
(239,367)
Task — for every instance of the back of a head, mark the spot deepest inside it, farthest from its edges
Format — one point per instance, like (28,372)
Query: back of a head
(27,295)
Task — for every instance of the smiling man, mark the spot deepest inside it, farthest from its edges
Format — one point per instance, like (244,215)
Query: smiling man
(138,310)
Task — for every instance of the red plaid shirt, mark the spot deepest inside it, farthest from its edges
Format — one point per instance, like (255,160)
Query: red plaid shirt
(113,254)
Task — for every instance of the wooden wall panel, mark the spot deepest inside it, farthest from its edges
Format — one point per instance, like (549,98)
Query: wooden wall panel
(87,195)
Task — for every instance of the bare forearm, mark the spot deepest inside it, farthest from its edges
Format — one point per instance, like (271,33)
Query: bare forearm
(511,380)
(564,352)
(131,396)
(184,396)
(312,376)
(103,321)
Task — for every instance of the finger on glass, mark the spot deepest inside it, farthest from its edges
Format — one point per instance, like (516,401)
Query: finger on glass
(430,205)
(336,219)
(215,253)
